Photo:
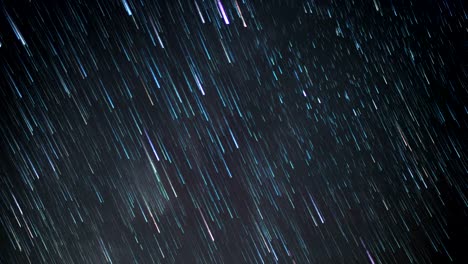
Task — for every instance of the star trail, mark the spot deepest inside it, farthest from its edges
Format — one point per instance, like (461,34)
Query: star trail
(233,131)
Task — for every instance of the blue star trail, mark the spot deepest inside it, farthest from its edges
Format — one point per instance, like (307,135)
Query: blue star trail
(233,131)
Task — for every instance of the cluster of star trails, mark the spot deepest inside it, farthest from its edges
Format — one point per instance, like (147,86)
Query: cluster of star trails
(232,131)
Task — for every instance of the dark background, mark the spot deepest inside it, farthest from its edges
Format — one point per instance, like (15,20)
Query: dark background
(407,57)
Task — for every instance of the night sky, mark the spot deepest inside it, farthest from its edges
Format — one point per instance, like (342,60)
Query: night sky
(233,131)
